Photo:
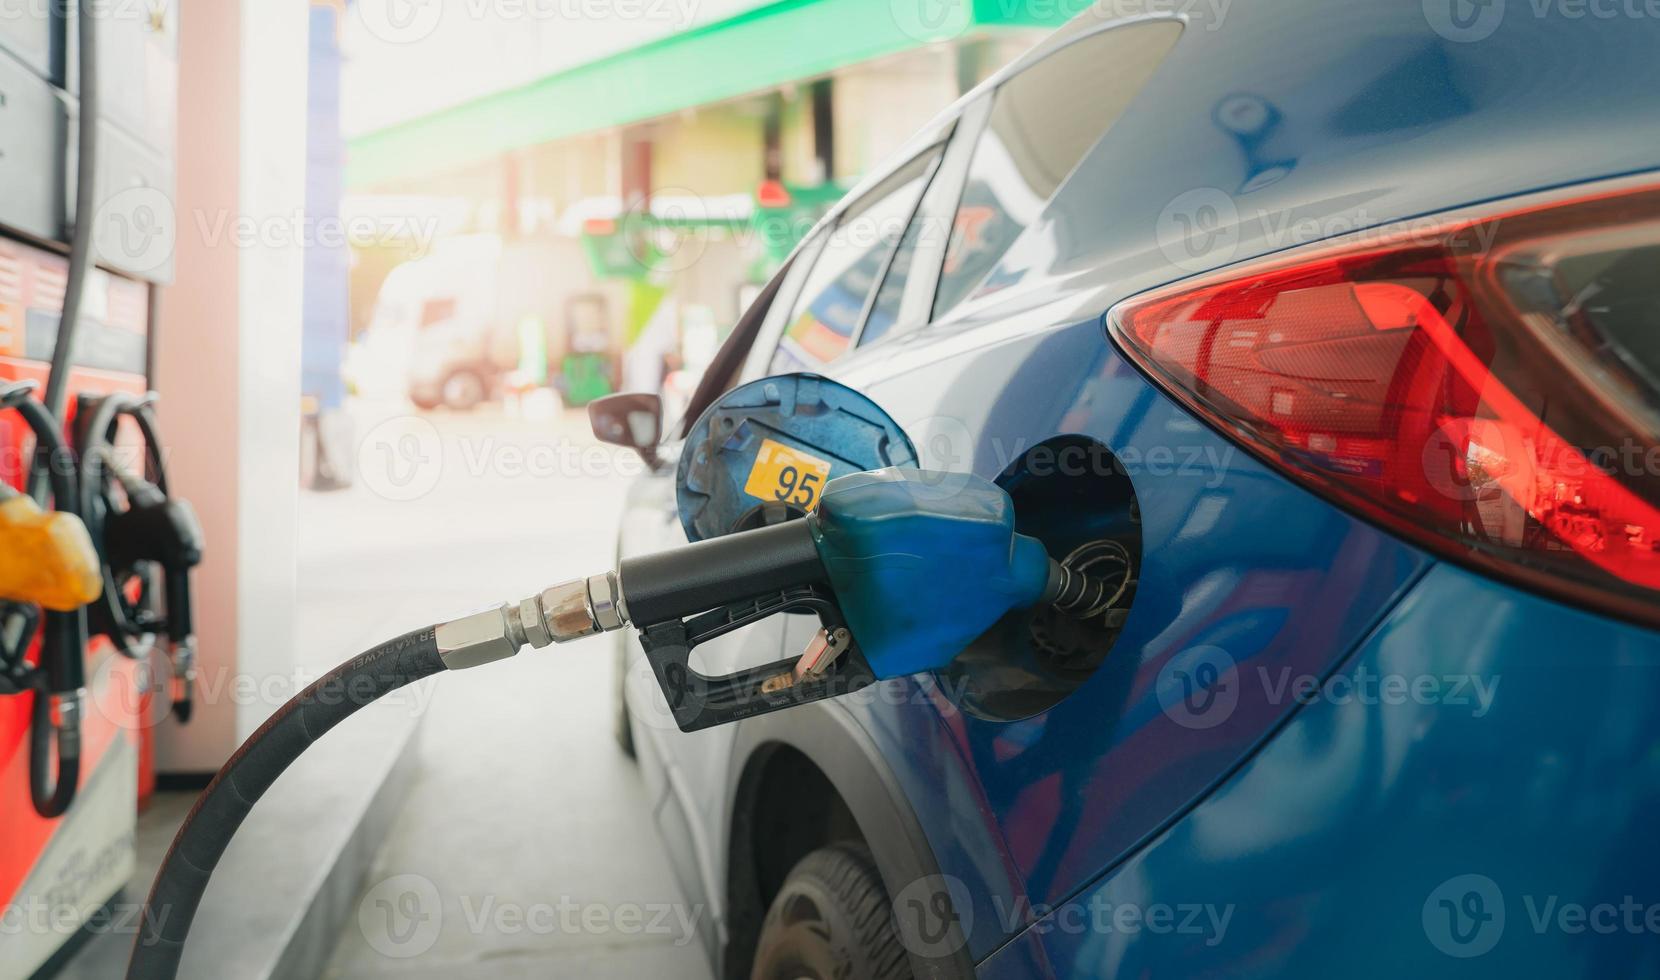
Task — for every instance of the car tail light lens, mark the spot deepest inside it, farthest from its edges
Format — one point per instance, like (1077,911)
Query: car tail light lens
(1489,389)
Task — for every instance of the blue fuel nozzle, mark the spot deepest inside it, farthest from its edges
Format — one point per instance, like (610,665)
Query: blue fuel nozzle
(921,563)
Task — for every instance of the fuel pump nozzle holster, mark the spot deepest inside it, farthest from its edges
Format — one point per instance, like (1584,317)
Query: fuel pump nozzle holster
(153,527)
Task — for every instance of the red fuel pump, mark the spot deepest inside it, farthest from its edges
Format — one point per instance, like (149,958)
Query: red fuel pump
(56,870)
(74,165)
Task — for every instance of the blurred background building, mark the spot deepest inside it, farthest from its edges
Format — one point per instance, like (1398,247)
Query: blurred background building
(549,200)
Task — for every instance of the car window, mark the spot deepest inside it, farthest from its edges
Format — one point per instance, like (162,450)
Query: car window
(1042,122)
(835,294)
(884,312)
(758,361)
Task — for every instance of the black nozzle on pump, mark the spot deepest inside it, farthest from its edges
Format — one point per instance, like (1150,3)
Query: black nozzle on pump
(60,581)
(137,523)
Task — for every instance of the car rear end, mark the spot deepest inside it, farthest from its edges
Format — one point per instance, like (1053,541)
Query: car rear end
(1423,288)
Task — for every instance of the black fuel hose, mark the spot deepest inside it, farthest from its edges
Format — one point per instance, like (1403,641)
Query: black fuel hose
(222,807)
(97,433)
(55,801)
(51,793)
(62,671)
(86,207)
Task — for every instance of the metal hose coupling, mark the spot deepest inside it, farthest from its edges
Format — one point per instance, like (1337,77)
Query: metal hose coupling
(183,682)
(569,611)
(64,710)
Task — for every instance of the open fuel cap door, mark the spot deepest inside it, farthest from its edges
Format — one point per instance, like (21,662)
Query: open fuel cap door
(763,453)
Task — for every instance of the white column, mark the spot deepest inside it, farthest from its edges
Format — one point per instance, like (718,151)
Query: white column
(228,354)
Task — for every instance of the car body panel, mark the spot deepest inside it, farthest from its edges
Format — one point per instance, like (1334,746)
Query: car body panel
(1236,558)
(1022,958)
(838,740)
(1348,830)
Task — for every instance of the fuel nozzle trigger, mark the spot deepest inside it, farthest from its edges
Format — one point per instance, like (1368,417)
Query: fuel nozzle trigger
(698,701)
(684,598)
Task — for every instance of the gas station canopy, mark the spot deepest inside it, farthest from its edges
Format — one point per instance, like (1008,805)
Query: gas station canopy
(750,52)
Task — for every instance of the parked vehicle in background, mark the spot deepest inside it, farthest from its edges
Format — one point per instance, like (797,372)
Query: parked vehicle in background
(450,326)
(1323,314)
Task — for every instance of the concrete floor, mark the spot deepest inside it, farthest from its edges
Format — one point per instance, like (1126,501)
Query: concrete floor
(526,848)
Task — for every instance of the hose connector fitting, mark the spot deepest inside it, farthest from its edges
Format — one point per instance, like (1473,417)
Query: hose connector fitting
(565,612)
(183,686)
(65,709)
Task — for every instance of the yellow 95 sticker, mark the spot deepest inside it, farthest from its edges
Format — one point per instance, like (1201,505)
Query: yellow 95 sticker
(787,475)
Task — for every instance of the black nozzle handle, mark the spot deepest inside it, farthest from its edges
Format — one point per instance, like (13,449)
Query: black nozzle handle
(181,619)
(720,571)
(55,721)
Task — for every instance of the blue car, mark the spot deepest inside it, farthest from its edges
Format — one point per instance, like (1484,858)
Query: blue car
(1329,334)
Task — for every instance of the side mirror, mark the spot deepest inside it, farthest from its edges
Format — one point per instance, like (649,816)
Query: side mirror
(633,421)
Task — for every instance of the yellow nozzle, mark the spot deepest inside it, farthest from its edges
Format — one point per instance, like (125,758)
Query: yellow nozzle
(46,559)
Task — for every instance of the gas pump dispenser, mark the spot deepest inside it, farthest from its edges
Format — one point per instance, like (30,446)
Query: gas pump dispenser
(85,178)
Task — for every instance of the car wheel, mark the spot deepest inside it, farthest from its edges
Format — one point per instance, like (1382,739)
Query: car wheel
(831,920)
(464,390)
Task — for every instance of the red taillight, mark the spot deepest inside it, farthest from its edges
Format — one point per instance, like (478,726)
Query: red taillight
(1489,389)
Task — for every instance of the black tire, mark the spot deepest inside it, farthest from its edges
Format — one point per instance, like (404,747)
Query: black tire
(831,921)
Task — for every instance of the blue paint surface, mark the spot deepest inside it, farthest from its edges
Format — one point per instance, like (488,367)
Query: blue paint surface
(1491,815)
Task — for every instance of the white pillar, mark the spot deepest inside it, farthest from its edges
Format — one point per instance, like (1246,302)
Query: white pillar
(228,354)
